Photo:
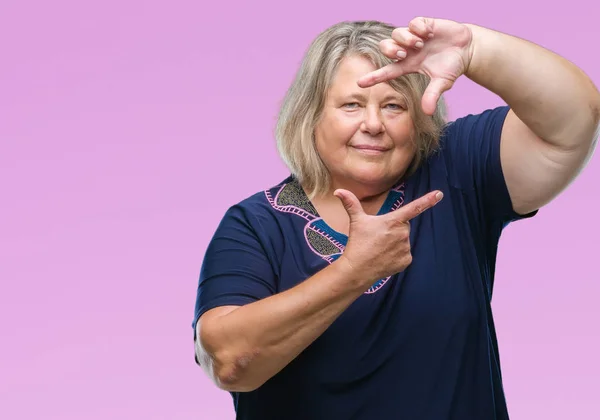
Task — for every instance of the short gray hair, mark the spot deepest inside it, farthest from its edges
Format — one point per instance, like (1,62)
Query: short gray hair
(303,104)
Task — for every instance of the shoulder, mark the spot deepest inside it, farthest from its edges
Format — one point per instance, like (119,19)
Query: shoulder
(474,126)
(258,212)
(283,198)
(468,154)
(253,229)
(470,143)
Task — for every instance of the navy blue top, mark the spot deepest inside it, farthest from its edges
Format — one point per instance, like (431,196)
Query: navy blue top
(418,345)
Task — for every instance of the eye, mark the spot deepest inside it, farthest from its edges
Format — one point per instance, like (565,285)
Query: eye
(351,105)
(395,107)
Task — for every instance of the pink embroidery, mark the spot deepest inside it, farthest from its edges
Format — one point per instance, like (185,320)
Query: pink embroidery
(289,208)
(324,234)
(312,219)
(377,285)
(329,258)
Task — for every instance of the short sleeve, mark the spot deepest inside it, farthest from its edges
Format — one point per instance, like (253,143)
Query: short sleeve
(235,269)
(472,149)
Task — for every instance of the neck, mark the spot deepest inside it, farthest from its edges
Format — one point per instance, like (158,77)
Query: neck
(364,192)
(371,197)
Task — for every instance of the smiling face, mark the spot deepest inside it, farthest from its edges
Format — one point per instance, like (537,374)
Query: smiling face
(364,136)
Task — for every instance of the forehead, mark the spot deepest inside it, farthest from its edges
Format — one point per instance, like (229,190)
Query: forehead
(352,68)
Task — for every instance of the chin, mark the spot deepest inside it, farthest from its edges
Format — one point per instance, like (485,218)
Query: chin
(371,178)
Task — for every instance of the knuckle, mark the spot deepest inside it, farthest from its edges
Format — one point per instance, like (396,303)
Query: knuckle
(387,46)
(404,235)
(386,73)
(406,247)
(421,206)
(378,75)
(418,22)
(401,35)
(396,223)
(396,33)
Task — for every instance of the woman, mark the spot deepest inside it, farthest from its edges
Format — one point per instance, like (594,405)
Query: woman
(352,290)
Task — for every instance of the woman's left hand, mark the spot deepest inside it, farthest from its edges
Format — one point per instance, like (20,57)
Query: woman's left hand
(438,48)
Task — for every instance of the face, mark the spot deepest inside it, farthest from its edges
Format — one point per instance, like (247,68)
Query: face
(364,136)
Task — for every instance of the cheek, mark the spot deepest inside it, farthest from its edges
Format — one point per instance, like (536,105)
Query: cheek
(402,133)
(345,125)
(335,133)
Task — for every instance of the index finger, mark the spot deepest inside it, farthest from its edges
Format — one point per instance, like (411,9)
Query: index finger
(384,74)
(418,206)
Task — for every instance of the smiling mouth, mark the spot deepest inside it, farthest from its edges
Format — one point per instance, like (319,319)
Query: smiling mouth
(371,149)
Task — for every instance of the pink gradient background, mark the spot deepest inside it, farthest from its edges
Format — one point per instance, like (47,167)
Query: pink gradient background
(126,130)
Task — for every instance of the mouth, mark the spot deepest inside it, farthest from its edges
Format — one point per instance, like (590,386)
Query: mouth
(371,150)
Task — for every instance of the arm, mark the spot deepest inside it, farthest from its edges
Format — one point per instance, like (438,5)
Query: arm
(552,128)
(242,347)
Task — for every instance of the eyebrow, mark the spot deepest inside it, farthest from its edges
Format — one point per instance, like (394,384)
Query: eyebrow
(354,96)
(360,97)
(394,97)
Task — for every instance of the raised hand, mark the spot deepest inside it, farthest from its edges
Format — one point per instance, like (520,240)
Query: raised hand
(438,48)
(379,246)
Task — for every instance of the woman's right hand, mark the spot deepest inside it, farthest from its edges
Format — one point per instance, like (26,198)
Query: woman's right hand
(243,347)
(379,246)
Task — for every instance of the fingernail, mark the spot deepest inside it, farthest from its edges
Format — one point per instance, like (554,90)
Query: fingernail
(439,196)
(401,54)
(419,44)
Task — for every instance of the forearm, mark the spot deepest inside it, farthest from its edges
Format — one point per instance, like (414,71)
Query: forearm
(254,342)
(551,95)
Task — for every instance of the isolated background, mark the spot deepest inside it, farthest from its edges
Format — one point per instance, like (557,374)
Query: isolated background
(126,130)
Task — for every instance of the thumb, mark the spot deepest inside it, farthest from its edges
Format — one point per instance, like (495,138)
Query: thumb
(433,92)
(350,202)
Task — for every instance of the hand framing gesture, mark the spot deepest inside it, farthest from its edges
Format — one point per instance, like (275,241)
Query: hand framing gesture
(438,48)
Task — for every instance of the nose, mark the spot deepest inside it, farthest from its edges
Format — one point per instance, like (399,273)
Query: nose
(372,121)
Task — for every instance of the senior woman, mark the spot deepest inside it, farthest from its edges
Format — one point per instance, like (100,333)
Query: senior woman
(352,289)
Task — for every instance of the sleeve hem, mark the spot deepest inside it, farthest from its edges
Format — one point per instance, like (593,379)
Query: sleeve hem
(232,301)
(239,301)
